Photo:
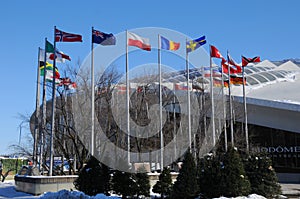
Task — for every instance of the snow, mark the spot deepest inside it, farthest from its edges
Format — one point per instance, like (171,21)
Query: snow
(7,190)
(252,196)
(73,195)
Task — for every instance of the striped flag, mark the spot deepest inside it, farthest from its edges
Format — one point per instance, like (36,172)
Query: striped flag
(168,44)
(138,41)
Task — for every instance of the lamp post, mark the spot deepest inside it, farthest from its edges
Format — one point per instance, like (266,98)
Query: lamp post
(20,128)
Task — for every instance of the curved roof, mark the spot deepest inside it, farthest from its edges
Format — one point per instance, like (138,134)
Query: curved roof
(265,80)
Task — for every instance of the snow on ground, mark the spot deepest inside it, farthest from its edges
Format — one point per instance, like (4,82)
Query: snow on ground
(252,196)
(7,190)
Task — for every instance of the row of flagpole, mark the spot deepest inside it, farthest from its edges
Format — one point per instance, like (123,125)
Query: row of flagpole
(40,130)
(131,39)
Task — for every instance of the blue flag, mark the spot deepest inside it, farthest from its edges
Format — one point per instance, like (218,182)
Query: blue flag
(104,39)
(194,44)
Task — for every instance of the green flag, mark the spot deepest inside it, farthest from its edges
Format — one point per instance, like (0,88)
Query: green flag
(49,47)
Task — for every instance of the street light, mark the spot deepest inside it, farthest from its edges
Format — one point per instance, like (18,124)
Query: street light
(20,128)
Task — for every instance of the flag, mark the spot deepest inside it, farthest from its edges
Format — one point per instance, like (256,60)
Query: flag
(245,60)
(194,44)
(226,66)
(140,42)
(231,61)
(168,44)
(206,72)
(216,72)
(67,83)
(181,87)
(49,69)
(49,72)
(72,86)
(49,77)
(61,36)
(102,38)
(226,83)
(237,80)
(60,56)
(217,82)
(214,52)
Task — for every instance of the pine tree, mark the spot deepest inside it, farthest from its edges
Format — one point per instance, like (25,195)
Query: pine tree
(234,180)
(164,185)
(210,175)
(123,183)
(93,178)
(262,176)
(186,185)
(142,183)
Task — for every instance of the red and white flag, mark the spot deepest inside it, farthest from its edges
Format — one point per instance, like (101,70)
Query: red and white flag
(60,56)
(214,52)
(140,42)
(61,36)
(245,60)
(233,63)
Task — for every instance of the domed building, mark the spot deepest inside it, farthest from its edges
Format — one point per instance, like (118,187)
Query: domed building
(273,109)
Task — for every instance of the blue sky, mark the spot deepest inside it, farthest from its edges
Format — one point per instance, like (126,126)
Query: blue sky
(267,28)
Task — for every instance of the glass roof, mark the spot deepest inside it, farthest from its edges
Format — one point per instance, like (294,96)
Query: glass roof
(261,68)
(254,75)
(248,71)
(268,76)
(277,74)
(251,81)
(254,69)
(260,78)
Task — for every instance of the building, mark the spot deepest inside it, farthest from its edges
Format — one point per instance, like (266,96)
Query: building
(273,108)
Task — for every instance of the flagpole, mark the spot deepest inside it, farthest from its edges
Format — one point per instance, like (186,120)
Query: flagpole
(212,103)
(127,101)
(230,104)
(203,103)
(53,109)
(224,110)
(174,121)
(44,115)
(188,97)
(37,111)
(245,111)
(92,98)
(160,108)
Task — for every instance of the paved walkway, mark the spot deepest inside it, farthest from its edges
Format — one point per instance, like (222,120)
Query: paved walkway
(291,190)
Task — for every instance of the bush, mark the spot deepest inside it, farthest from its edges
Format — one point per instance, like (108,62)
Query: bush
(234,179)
(164,185)
(142,183)
(94,178)
(223,174)
(123,183)
(13,164)
(210,176)
(262,176)
(186,185)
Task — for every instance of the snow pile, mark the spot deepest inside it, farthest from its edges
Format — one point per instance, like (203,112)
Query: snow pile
(73,195)
(77,194)
(252,196)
